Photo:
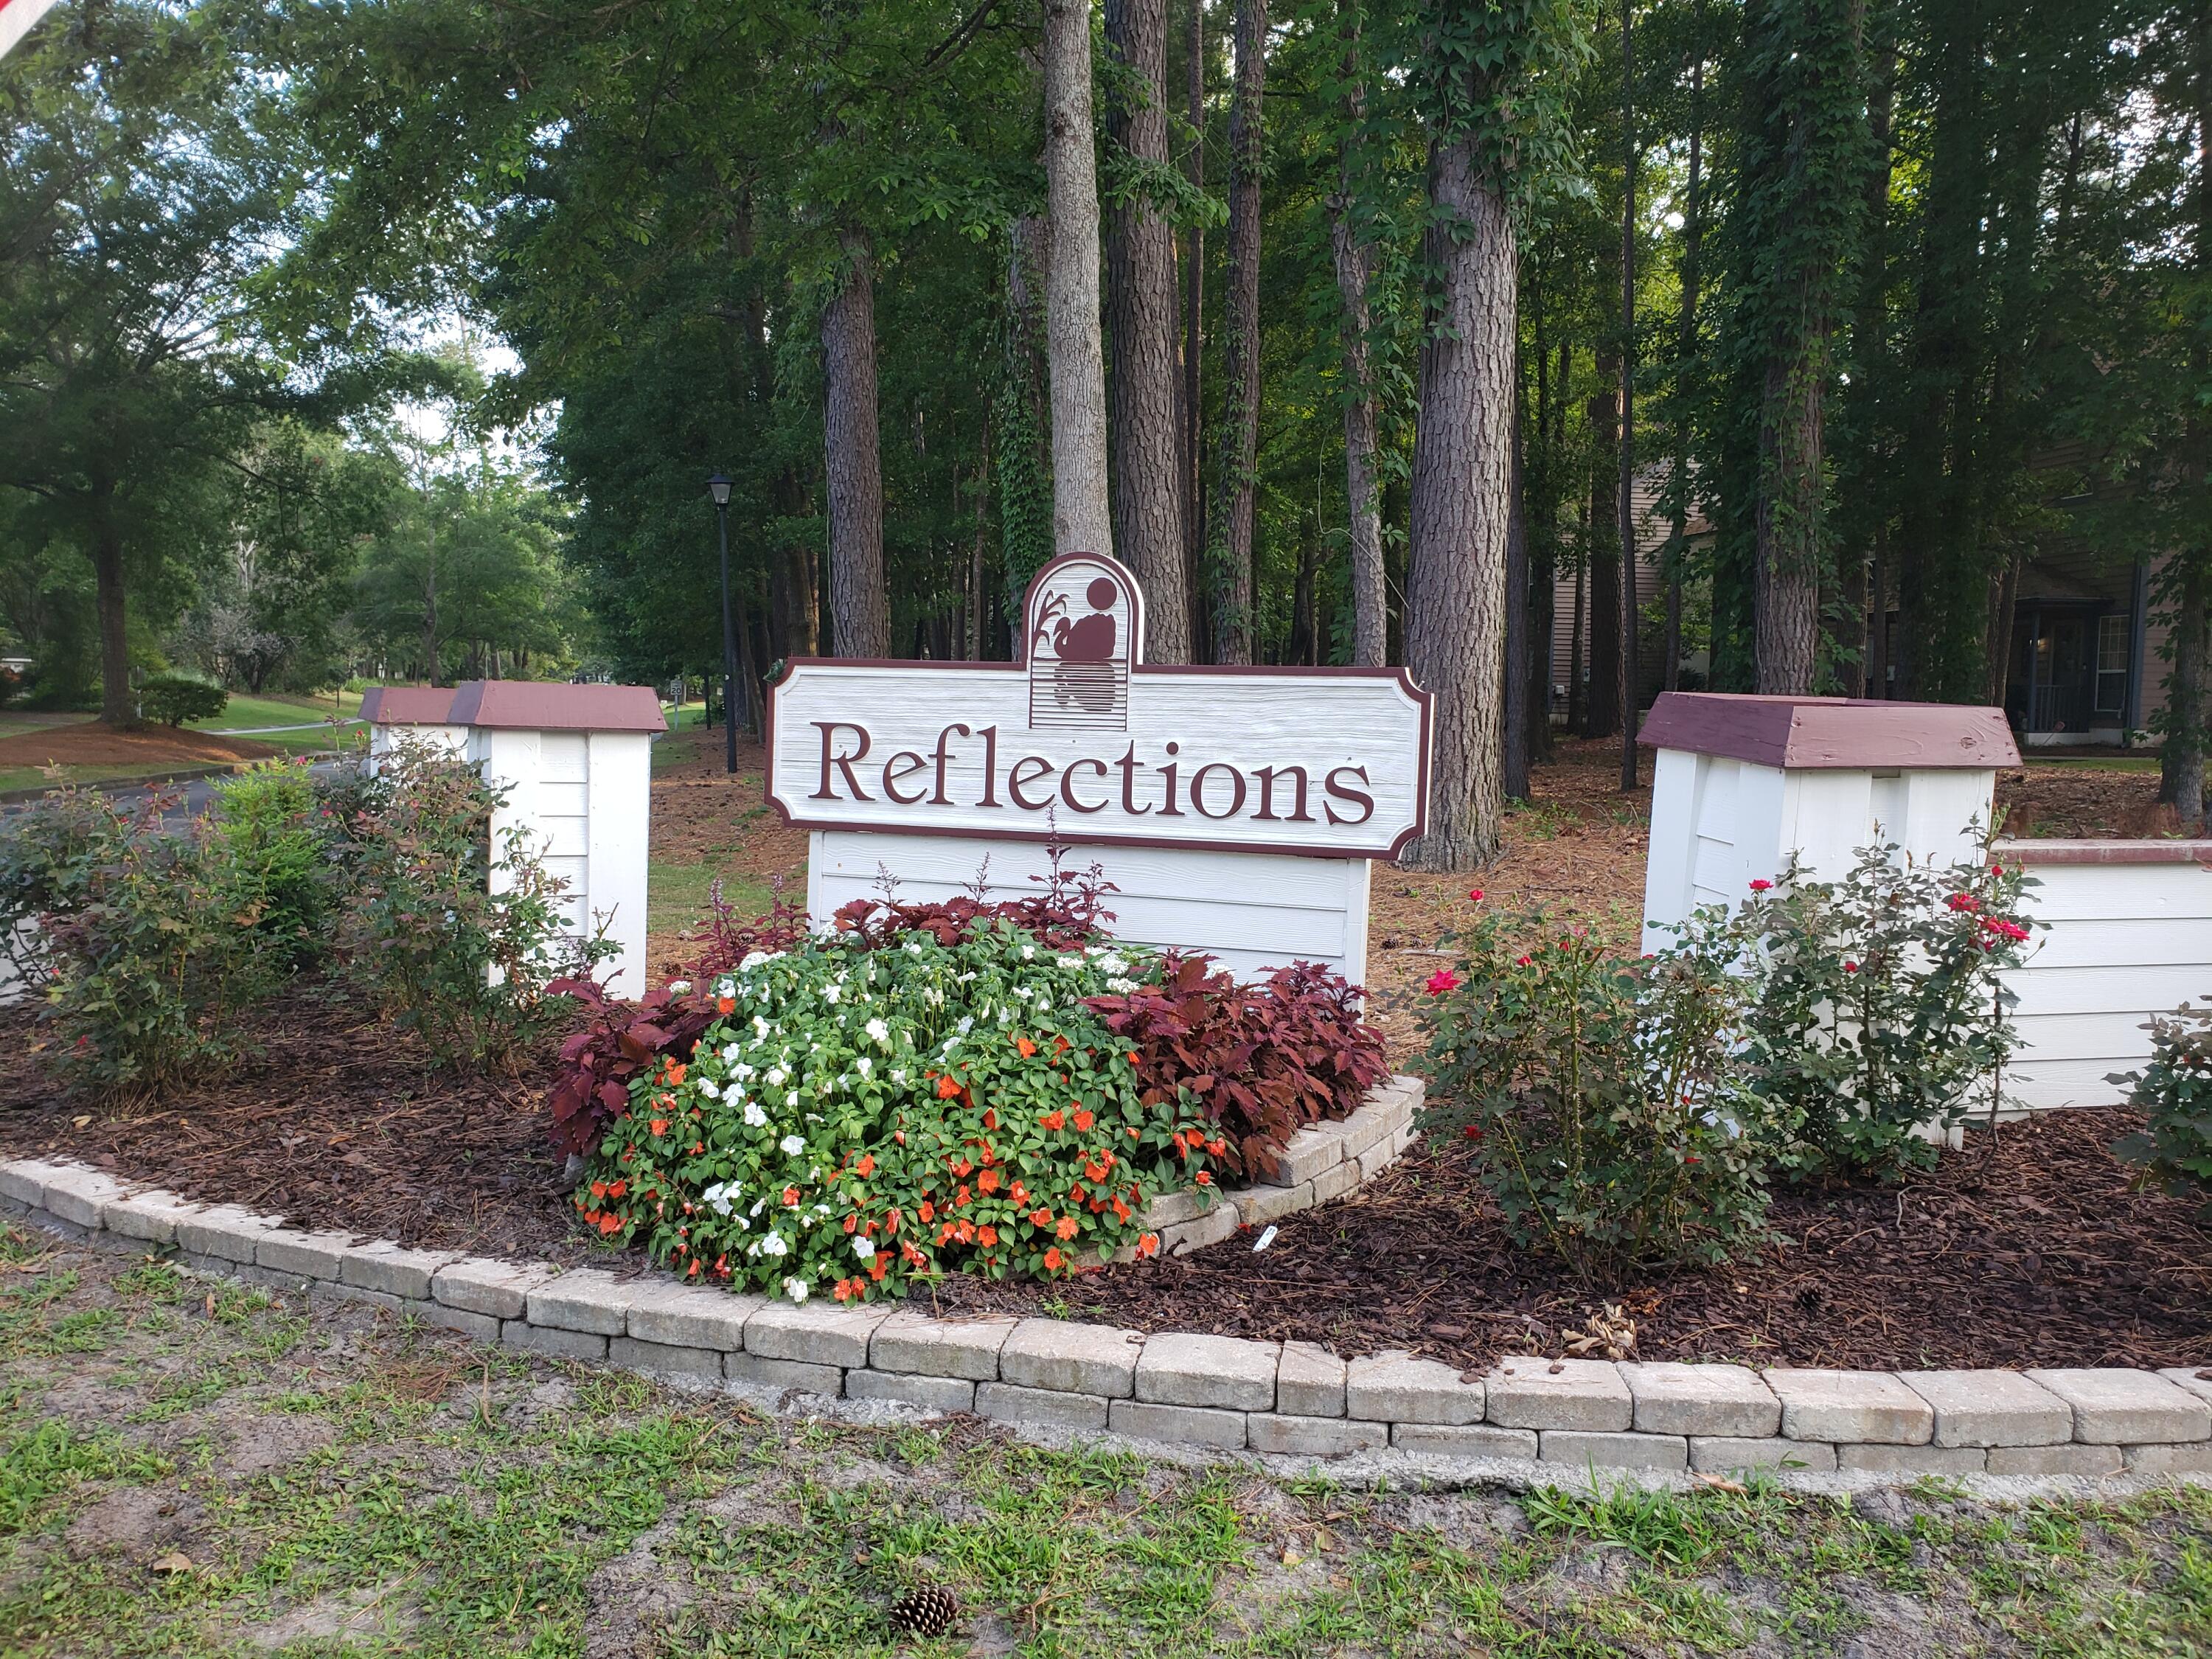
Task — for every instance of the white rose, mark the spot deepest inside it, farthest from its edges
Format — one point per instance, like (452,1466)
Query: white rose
(792,1145)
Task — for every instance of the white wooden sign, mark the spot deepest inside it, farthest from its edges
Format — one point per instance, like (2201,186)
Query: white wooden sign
(1213,797)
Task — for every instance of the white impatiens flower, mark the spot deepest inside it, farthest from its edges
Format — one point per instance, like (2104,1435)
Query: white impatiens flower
(864,1065)
(777,1075)
(967,1024)
(792,1099)
(731,1051)
(709,1088)
(1028,952)
(759,1024)
(677,987)
(754,1118)
(796,1289)
(754,959)
(830,992)
(727,988)
(774,1245)
(1112,964)
(743,1069)
(898,1076)
(1024,993)
(759,1207)
(792,1145)
(718,1196)
(878,1032)
(863,1248)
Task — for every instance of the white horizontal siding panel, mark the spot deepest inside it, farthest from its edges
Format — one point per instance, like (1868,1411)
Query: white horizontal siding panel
(1254,911)
(2156,941)
(563,757)
(2104,1036)
(2116,892)
(2142,991)
(563,800)
(2045,1085)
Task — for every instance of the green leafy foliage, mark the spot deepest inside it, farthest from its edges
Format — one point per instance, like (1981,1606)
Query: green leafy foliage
(1615,1126)
(2174,1094)
(452,937)
(270,826)
(856,1117)
(153,948)
(172,699)
(1879,1011)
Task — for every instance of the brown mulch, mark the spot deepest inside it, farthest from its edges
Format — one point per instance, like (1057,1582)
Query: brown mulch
(336,1122)
(90,743)
(2082,803)
(2035,1250)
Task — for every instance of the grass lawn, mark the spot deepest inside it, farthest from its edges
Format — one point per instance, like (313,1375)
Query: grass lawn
(678,893)
(194,1470)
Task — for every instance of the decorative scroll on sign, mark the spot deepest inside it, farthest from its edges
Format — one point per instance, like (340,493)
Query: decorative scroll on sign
(1084,740)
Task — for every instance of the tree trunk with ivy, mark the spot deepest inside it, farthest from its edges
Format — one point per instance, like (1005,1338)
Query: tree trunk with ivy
(1236,501)
(1140,288)
(860,609)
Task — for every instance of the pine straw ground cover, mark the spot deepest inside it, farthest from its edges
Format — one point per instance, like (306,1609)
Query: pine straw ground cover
(191,1471)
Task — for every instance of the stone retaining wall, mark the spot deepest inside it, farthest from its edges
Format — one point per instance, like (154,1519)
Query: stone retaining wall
(1175,1387)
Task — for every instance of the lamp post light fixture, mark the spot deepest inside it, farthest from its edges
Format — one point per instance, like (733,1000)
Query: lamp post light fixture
(719,487)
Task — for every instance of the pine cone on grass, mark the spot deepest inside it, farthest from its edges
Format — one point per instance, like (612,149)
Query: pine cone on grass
(927,1612)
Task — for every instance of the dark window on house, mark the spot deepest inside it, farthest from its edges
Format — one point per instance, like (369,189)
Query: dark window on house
(2111,663)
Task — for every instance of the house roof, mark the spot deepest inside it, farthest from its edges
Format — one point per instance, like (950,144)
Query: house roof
(1849,733)
(553,706)
(407,705)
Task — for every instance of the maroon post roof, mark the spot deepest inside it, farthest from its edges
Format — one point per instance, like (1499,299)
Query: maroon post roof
(1852,733)
(406,705)
(551,705)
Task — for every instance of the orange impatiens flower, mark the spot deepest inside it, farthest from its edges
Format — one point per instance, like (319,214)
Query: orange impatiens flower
(610,1224)
(843,1291)
(1041,1216)
(1122,1211)
(1052,1259)
(1054,1118)
(618,1188)
(1083,1122)
(659,1126)
(1024,1047)
(1069,1226)
(1149,1244)
(927,1212)
(947,1087)
(791,1198)
(866,1166)
(726,1004)
(675,1073)
(986,1236)
(1204,1178)
(987,1182)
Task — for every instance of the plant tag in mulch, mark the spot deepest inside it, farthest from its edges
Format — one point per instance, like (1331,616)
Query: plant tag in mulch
(1264,1240)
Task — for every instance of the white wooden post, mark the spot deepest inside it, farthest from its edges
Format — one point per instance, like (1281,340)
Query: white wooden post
(1745,782)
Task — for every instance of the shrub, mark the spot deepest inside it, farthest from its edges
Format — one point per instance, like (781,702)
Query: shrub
(452,939)
(1263,1060)
(1611,1120)
(267,823)
(50,852)
(151,951)
(2174,1094)
(1878,1006)
(172,699)
(854,1117)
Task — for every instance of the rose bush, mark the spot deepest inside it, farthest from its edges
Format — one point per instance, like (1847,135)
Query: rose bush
(860,1114)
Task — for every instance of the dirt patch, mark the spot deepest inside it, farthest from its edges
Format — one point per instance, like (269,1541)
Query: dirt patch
(2081,802)
(154,747)
(2035,1249)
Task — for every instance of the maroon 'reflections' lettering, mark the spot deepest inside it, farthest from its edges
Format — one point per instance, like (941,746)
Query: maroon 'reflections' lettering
(1218,790)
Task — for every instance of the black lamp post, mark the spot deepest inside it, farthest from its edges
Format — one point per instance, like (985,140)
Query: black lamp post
(719,487)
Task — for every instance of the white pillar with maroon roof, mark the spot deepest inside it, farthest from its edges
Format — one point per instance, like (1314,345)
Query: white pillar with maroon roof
(1744,782)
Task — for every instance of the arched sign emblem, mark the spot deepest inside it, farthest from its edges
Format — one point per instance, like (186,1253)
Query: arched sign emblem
(1085,628)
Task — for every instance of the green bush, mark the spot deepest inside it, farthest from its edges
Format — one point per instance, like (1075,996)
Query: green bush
(1878,1018)
(2174,1094)
(1612,1118)
(49,851)
(449,937)
(151,951)
(172,699)
(270,825)
(857,1117)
